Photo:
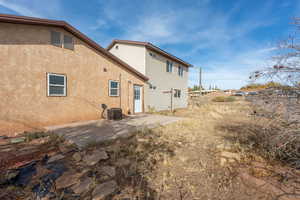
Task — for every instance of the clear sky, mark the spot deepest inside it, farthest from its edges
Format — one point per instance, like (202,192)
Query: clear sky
(227,38)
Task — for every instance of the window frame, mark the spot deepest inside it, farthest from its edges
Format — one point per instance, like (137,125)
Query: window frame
(57,85)
(177,93)
(73,44)
(169,66)
(180,71)
(109,88)
(60,45)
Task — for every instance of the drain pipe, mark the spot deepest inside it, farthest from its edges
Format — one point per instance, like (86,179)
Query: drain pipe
(120,91)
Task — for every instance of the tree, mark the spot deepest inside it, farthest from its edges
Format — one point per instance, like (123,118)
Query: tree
(287,62)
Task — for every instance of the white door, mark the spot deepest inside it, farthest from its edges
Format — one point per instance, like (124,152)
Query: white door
(137,99)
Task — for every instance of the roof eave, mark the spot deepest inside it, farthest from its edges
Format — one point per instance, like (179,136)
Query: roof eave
(149,46)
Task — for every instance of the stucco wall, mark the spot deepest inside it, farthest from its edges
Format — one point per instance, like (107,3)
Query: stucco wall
(131,54)
(26,55)
(164,81)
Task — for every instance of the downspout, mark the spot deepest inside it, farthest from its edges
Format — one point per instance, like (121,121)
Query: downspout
(120,90)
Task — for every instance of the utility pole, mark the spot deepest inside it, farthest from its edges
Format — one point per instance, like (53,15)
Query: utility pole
(200,81)
(171,100)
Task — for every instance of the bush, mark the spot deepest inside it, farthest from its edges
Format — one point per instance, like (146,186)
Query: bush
(34,135)
(223,99)
(273,141)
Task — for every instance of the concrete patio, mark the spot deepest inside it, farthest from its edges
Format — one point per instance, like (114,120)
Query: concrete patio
(97,131)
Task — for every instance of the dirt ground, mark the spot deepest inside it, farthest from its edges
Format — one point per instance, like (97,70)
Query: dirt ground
(191,159)
(204,164)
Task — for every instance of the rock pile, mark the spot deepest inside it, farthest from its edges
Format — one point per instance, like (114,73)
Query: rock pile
(73,174)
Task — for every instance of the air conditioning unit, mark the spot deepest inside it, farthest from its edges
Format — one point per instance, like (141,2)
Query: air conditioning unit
(114,114)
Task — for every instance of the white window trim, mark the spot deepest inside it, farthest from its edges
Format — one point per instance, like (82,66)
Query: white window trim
(118,88)
(49,84)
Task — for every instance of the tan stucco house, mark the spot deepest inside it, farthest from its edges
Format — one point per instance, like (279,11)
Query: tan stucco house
(51,74)
(168,75)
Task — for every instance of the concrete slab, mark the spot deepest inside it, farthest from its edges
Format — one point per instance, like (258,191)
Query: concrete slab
(97,131)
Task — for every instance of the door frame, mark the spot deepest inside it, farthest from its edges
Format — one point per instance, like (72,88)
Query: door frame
(142,98)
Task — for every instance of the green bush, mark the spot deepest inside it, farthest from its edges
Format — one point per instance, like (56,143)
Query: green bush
(34,135)
(223,99)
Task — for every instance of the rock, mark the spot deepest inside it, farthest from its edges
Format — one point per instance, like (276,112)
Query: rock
(28,148)
(38,141)
(77,156)
(67,179)
(55,158)
(103,190)
(83,186)
(49,196)
(8,176)
(95,157)
(7,149)
(41,171)
(109,170)
(65,147)
(122,162)
(47,181)
(17,140)
(4,142)
(25,174)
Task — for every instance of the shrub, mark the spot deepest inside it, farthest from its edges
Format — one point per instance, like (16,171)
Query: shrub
(34,135)
(273,140)
(223,99)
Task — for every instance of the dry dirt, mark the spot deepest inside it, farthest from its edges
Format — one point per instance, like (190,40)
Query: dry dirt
(206,166)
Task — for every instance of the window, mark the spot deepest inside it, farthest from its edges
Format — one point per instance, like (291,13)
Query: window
(56,39)
(177,93)
(152,86)
(117,47)
(68,42)
(152,54)
(113,88)
(169,66)
(57,85)
(180,71)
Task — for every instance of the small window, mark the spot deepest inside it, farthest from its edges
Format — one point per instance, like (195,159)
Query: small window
(68,42)
(169,66)
(177,93)
(56,39)
(57,85)
(117,47)
(180,71)
(113,88)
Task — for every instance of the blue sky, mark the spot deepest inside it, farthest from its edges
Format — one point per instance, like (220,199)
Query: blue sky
(227,38)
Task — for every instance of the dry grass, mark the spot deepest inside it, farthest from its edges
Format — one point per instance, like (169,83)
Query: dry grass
(223,99)
(192,170)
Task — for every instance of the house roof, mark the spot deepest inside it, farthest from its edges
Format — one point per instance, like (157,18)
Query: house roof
(151,47)
(62,24)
